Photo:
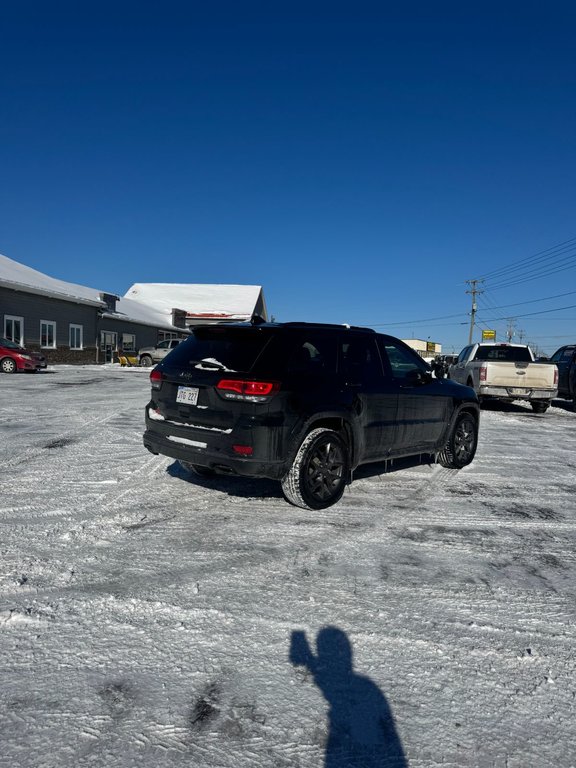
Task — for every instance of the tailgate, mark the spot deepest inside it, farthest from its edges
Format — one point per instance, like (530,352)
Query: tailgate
(529,375)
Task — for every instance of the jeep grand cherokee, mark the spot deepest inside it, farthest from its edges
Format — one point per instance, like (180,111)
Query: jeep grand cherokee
(304,404)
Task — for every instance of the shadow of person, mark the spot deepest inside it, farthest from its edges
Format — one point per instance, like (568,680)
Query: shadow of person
(362,733)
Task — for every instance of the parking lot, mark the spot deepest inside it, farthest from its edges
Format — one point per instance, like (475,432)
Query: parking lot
(147,617)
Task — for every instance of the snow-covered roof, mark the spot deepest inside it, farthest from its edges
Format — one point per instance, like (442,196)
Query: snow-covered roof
(146,303)
(217,302)
(136,311)
(18,276)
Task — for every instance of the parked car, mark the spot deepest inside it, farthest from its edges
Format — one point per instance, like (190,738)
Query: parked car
(147,356)
(15,358)
(506,372)
(565,359)
(304,404)
(441,364)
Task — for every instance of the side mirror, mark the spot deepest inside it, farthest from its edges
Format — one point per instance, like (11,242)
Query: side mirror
(417,377)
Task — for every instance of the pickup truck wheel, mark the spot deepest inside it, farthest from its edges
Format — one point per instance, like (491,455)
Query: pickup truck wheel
(145,361)
(538,407)
(461,445)
(197,469)
(320,470)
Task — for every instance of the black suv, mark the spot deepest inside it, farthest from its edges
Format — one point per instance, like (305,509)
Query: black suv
(304,404)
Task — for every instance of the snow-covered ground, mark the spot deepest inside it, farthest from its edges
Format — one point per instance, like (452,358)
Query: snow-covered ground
(147,617)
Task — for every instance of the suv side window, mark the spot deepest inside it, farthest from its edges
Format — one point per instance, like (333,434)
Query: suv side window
(312,354)
(360,361)
(401,361)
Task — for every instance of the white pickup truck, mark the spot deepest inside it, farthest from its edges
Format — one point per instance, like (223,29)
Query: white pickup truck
(506,372)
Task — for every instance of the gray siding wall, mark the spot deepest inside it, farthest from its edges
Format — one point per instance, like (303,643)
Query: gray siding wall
(34,308)
(146,335)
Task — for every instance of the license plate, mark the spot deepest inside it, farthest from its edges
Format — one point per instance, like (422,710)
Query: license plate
(518,391)
(188,395)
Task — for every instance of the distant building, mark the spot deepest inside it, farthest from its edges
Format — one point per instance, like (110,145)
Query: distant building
(74,324)
(424,348)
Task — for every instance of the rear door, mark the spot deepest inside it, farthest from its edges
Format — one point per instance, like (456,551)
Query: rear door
(423,404)
(368,394)
(458,371)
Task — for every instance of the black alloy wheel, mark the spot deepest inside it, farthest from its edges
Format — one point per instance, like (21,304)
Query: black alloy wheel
(461,445)
(320,471)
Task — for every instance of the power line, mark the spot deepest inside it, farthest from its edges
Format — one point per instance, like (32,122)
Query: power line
(536,275)
(542,312)
(544,255)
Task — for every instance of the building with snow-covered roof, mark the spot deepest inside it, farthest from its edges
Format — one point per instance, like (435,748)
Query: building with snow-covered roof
(76,324)
(203,303)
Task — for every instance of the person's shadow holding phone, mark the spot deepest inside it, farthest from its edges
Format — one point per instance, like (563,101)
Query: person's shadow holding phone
(362,732)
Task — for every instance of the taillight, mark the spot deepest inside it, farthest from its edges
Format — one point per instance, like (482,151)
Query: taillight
(156,379)
(555,376)
(482,373)
(252,391)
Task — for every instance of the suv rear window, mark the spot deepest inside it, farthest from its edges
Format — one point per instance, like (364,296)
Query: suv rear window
(234,349)
(509,354)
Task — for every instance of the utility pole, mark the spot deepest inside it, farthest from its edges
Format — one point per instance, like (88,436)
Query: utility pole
(473,291)
(511,332)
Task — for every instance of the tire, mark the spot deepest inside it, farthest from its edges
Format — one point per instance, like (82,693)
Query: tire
(145,361)
(320,471)
(197,469)
(7,365)
(461,445)
(539,407)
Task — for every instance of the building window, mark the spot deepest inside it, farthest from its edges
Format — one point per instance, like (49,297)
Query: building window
(76,337)
(128,342)
(47,334)
(14,329)
(162,335)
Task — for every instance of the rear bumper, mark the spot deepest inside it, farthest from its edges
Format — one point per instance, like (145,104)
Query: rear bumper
(214,448)
(517,393)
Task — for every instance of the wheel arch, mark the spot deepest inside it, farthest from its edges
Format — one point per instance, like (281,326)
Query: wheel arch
(336,422)
(460,409)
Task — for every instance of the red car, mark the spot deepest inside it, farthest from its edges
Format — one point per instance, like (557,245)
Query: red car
(14,358)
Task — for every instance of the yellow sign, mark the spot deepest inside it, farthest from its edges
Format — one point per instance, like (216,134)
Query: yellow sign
(488,335)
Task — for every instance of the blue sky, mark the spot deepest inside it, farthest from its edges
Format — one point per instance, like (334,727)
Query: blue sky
(360,161)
